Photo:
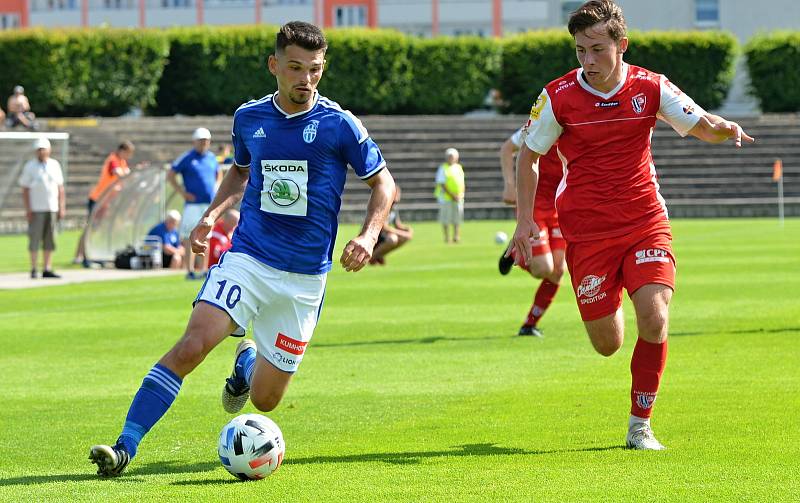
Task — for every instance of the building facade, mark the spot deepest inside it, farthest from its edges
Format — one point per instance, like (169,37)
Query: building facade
(419,17)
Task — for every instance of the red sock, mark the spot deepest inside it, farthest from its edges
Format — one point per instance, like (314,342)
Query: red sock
(647,365)
(541,301)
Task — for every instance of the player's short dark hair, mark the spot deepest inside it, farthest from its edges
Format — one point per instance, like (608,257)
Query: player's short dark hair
(598,11)
(126,145)
(304,35)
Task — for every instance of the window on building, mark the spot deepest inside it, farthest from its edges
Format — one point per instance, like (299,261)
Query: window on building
(706,12)
(567,8)
(9,21)
(351,15)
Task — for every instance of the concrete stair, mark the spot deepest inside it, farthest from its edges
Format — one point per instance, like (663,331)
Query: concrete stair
(697,179)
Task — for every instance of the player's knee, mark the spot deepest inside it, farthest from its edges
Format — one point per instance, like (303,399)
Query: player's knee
(653,325)
(266,402)
(607,348)
(189,351)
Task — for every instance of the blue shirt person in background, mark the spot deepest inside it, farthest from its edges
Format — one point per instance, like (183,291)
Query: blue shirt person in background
(171,249)
(293,149)
(200,173)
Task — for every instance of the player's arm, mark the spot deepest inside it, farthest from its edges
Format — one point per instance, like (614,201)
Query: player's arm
(507,168)
(527,180)
(228,195)
(714,129)
(358,251)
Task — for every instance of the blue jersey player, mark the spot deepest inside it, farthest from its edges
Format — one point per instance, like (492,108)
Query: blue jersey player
(292,152)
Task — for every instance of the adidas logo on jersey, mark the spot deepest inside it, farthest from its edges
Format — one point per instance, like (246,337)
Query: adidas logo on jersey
(260,133)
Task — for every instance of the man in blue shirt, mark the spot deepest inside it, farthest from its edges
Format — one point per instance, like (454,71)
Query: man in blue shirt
(171,249)
(200,172)
(292,152)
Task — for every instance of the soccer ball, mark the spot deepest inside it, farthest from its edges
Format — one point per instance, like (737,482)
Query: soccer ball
(500,238)
(251,447)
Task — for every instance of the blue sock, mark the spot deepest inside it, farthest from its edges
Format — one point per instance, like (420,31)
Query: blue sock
(245,365)
(159,389)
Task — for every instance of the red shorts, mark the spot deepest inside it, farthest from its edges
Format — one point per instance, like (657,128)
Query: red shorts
(601,268)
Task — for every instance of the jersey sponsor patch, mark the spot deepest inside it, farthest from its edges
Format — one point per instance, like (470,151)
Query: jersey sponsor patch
(290,345)
(536,109)
(285,189)
(651,255)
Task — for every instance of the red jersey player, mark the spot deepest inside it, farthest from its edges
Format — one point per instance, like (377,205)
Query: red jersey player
(221,235)
(547,249)
(614,220)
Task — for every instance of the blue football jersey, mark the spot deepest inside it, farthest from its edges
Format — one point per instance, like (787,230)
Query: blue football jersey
(298,164)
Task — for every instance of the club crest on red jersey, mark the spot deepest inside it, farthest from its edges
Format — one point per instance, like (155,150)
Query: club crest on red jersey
(639,102)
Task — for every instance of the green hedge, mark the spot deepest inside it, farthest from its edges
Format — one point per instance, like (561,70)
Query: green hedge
(773,61)
(368,71)
(213,70)
(79,72)
(700,63)
(452,75)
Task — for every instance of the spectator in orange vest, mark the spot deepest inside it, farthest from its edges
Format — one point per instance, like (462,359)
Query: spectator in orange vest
(114,168)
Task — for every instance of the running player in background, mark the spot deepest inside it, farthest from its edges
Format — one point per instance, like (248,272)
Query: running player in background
(614,220)
(547,249)
(292,152)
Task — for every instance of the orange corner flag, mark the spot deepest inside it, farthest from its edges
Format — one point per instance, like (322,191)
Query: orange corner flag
(777,170)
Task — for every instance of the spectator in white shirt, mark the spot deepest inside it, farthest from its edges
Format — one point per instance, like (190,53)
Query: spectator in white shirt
(42,184)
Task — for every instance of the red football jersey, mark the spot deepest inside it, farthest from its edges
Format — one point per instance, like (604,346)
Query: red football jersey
(609,186)
(550,173)
(218,244)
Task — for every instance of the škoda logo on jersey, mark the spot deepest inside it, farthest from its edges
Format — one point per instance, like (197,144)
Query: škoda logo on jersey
(639,102)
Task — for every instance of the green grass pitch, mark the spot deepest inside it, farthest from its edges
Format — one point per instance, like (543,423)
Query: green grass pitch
(415,388)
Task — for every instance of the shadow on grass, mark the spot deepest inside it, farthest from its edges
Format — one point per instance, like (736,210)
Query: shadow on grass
(157,468)
(414,457)
(410,458)
(422,340)
(740,332)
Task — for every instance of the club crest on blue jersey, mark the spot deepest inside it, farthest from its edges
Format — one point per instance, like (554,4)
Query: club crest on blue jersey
(310,131)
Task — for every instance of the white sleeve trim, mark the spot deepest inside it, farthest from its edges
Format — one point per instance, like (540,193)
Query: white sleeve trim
(676,108)
(374,171)
(543,128)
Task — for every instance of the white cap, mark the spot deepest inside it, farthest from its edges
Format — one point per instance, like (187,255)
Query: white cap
(174,215)
(451,151)
(201,133)
(41,143)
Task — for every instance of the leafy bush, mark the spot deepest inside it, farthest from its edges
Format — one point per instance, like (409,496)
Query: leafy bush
(773,61)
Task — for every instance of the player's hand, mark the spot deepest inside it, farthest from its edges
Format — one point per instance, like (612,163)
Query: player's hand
(510,195)
(522,242)
(728,130)
(62,212)
(198,238)
(28,215)
(356,253)
(189,197)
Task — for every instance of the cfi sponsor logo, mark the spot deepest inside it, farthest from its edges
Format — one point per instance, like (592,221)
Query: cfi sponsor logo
(639,102)
(286,343)
(651,255)
(590,285)
(645,400)
(310,131)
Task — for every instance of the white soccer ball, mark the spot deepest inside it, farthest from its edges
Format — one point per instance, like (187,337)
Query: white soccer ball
(501,238)
(251,447)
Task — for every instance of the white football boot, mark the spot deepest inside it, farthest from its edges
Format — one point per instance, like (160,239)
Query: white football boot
(641,438)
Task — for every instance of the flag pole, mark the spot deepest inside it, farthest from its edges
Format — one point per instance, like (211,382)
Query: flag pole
(780,201)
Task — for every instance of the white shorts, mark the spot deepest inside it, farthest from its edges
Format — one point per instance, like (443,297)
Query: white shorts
(192,213)
(451,212)
(283,306)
